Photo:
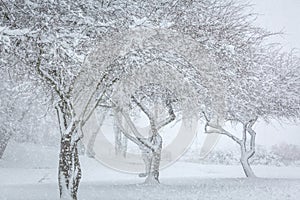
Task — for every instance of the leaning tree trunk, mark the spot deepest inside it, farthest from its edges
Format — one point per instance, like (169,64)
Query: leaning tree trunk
(247,153)
(155,143)
(4,139)
(245,164)
(91,143)
(247,147)
(150,148)
(69,171)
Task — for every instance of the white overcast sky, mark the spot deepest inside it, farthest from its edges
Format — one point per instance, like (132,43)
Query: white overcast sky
(277,15)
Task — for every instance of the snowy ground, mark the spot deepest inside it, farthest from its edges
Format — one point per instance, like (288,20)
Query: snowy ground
(28,177)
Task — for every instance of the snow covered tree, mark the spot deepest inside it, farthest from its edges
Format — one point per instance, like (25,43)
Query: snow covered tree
(47,40)
(206,52)
(19,105)
(240,86)
(267,90)
(147,100)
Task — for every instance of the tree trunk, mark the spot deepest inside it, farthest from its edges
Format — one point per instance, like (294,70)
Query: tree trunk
(153,174)
(247,153)
(90,147)
(150,147)
(246,166)
(120,140)
(69,171)
(151,157)
(3,142)
(147,158)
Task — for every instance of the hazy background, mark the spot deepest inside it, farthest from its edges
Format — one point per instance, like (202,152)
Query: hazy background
(277,15)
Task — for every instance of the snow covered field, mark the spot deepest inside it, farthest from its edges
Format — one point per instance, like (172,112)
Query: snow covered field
(29,176)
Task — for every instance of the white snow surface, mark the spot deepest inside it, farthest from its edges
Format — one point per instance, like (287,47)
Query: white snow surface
(29,172)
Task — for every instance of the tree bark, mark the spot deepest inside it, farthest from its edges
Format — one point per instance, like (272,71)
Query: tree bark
(246,166)
(4,139)
(69,170)
(247,153)
(154,164)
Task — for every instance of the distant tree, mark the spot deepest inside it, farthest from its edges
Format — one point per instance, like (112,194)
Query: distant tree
(287,153)
(17,105)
